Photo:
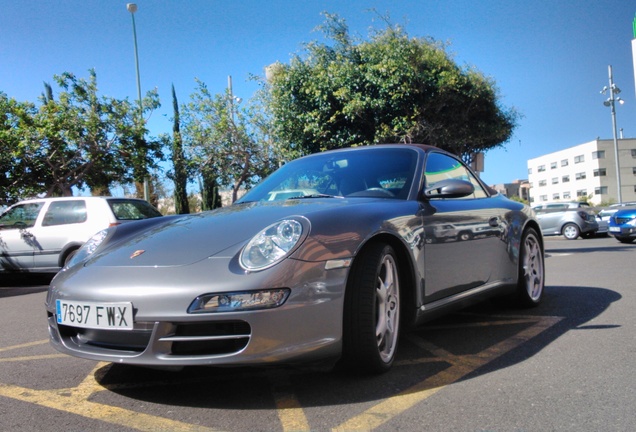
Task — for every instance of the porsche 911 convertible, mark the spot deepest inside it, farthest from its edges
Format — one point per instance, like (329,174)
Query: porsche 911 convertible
(326,261)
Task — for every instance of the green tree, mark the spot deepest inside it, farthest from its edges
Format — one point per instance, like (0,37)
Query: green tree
(180,175)
(221,143)
(18,176)
(390,88)
(77,140)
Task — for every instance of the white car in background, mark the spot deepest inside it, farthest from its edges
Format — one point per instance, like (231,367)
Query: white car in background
(41,235)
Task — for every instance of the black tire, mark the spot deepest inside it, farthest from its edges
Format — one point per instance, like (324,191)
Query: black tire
(626,240)
(465,236)
(371,321)
(531,278)
(571,231)
(69,256)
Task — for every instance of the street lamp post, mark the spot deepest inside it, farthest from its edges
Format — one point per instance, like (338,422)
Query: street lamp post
(132,8)
(611,102)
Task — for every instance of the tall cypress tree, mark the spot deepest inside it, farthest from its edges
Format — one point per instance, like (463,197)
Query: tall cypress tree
(178,160)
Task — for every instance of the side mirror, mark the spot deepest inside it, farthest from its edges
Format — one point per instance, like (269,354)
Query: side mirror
(450,188)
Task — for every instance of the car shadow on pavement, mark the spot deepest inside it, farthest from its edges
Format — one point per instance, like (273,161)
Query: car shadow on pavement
(476,341)
(15,284)
(614,248)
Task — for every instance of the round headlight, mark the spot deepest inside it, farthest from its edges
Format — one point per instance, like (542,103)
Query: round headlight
(271,245)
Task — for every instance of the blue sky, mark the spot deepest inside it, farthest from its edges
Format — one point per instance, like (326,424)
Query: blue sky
(549,58)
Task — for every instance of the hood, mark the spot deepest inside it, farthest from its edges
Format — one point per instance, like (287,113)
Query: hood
(192,238)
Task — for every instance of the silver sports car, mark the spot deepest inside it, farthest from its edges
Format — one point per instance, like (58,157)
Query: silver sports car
(327,260)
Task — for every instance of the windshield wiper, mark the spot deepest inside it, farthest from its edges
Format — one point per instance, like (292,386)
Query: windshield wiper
(312,196)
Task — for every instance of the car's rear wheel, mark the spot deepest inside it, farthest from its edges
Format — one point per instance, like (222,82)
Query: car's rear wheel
(372,311)
(571,231)
(70,256)
(531,279)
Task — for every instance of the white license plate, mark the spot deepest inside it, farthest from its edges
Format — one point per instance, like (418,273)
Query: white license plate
(113,316)
(615,229)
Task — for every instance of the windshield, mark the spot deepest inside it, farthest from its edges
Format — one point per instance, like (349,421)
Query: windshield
(382,172)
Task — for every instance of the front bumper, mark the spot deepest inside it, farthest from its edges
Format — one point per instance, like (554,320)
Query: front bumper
(308,327)
(622,232)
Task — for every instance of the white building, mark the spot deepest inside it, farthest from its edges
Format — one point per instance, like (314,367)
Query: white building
(587,170)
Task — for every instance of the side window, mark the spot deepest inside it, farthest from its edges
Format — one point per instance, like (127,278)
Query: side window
(441,167)
(556,207)
(20,216)
(65,212)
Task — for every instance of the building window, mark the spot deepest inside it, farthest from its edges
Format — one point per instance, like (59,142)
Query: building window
(580,176)
(543,198)
(581,193)
(600,190)
(542,183)
(529,170)
(565,179)
(541,168)
(634,170)
(564,162)
(598,154)
(600,172)
(634,153)
(553,165)
(555,196)
(555,180)
(566,195)
(579,159)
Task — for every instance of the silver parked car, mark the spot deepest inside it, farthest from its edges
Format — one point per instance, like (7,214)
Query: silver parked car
(330,272)
(570,219)
(41,235)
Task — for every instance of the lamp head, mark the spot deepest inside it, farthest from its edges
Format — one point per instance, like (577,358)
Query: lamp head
(131,7)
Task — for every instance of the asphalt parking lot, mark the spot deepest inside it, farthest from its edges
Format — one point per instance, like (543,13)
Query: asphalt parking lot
(563,366)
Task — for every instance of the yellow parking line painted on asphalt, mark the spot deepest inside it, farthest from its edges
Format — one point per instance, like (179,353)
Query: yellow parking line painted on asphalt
(67,401)
(290,412)
(28,358)
(76,400)
(25,345)
(461,366)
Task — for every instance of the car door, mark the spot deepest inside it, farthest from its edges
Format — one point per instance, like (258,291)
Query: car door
(463,235)
(17,243)
(63,221)
(549,217)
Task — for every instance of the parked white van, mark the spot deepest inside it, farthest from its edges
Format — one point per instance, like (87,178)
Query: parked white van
(41,235)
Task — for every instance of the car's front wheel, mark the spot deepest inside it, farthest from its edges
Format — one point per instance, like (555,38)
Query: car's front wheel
(531,279)
(372,311)
(571,231)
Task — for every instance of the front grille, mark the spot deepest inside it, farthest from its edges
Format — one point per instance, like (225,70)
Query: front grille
(210,338)
(180,339)
(622,220)
(124,341)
